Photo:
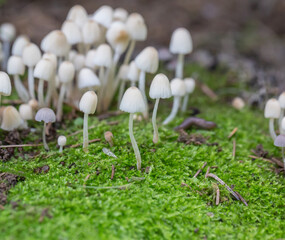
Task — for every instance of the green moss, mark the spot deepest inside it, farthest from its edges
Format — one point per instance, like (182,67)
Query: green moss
(156,207)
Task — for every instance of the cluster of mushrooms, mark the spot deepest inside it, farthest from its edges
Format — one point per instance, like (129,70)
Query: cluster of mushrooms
(85,64)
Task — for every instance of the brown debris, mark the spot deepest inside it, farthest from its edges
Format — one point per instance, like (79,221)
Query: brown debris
(271,160)
(43,169)
(207,90)
(232,132)
(196,139)
(113,172)
(241,198)
(45,213)
(197,122)
(259,151)
(197,173)
(108,115)
(20,145)
(234,148)
(218,196)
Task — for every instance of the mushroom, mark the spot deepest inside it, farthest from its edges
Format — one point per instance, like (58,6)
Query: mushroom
(87,105)
(123,74)
(147,62)
(31,56)
(238,103)
(66,74)
(178,90)
(61,141)
(89,59)
(133,73)
(20,43)
(103,16)
(72,32)
(133,102)
(181,44)
(272,111)
(103,59)
(11,119)
(280,142)
(16,67)
(91,34)
(109,138)
(190,86)
(5,86)
(47,116)
(87,80)
(77,14)
(159,88)
(26,113)
(281,100)
(120,14)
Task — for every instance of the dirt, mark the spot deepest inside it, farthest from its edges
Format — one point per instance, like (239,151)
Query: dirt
(193,138)
(13,137)
(42,169)
(260,152)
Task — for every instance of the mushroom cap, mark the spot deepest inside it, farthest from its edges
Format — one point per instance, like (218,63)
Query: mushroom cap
(134,72)
(103,56)
(7,32)
(56,42)
(132,101)
(189,84)
(89,59)
(52,57)
(104,16)
(72,54)
(272,109)
(181,42)
(160,87)
(281,100)
(77,14)
(118,36)
(147,60)
(44,69)
(87,79)
(5,84)
(15,66)
(108,136)
(61,141)
(26,112)
(11,119)
(31,55)
(91,32)
(88,102)
(79,62)
(136,27)
(72,32)
(34,104)
(46,115)
(280,141)
(120,14)
(178,87)
(123,72)
(20,43)
(66,72)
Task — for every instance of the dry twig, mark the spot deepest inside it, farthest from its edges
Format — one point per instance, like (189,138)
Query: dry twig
(113,172)
(21,145)
(232,132)
(218,196)
(272,160)
(234,148)
(79,144)
(197,173)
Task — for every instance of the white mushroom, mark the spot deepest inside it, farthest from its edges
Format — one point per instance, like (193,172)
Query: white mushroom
(61,141)
(11,119)
(190,86)
(272,111)
(20,43)
(5,86)
(281,100)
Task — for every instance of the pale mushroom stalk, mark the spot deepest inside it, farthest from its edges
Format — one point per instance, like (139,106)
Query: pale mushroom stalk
(85,133)
(121,92)
(60,149)
(41,92)
(280,120)
(20,88)
(134,143)
(50,91)
(142,88)
(130,51)
(179,66)
(31,83)
(174,110)
(6,50)
(155,130)
(271,128)
(44,138)
(185,103)
(60,101)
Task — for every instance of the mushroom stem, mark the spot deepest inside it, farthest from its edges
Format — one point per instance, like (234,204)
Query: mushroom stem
(142,88)
(185,103)
(280,120)
(41,92)
(179,66)
(60,149)
(130,51)
(271,128)
(134,143)
(31,82)
(101,74)
(20,88)
(121,91)
(60,101)
(175,107)
(155,131)
(51,90)
(85,133)
(283,158)
(44,138)
(0,99)
(6,51)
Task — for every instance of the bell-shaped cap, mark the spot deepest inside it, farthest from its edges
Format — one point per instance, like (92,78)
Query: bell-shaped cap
(181,42)
(91,32)
(26,112)
(15,66)
(11,119)
(132,101)
(136,27)
(120,14)
(133,73)
(7,32)
(79,62)
(5,84)
(147,60)
(72,32)
(77,14)
(103,56)
(87,79)
(104,16)
(280,141)
(20,43)
(44,69)
(123,72)
(281,100)
(272,109)
(31,55)
(178,88)
(61,141)
(160,87)
(89,59)
(52,57)
(189,84)
(88,102)
(46,115)
(66,72)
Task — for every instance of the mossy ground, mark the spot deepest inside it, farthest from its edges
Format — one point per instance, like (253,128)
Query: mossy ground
(156,207)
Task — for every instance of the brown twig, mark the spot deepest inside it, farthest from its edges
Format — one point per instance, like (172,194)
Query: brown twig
(12,102)
(206,90)
(208,170)
(85,180)
(79,144)
(273,160)
(241,198)
(232,132)
(113,172)
(234,148)
(197,173)
(108,115)
(21,145)
(186,185)
(218,196)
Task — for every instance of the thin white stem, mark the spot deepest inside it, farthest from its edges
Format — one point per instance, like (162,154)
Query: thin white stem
(101,74)
(31,83)
(175,107)
(0,100)
(283,158)
(142,88)
(41,92)
(20,89)
(60,148)
(44,138)
(155,130)
(185,103)
(51,90)
(6,51)
(60,101)
(85,133)
(130,51)
(121,92)
(280,121)
(134,143)
(179,66)
(271,128)
(133,83)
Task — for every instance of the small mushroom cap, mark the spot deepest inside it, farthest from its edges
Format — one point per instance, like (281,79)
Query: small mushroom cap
(72,54)
(132,101)
(103,56)
(89,59)
(272,109)
(178,88)
(7,32)
(66,72)
(120,14)
(134,72)
(77,14)
(87,79)
(5,84)
(20,43)
(123,72)
(91,32)
(44,69)
(280,141)
(281,100)
(34,104)
(61,141)
(52,57)
(79,62)
(46,115)
(11,119)
(72,32)
(88,102)
(104,16)
(15,66)
(189,84)
(26,112)
(181,42)
(160,87)
(147,60)
(136,27)
(31,55)
(238,103)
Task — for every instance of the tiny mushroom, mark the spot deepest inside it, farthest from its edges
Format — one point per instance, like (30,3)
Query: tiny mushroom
(123,75)
(61,141)
(20,43)
(133,102)
(159,88)
(5,86)
(281,100)
(87,105)
(104,16)
(109,138)
(77,14)
(87,80)
(91,34)
(190,86)
(272,111)
(238,103)
(46,115)
(133,73)
(280,142)
(11,119)
(26,113)
(120,14)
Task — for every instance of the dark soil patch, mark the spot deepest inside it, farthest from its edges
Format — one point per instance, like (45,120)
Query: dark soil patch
(196,139)
(43,169)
